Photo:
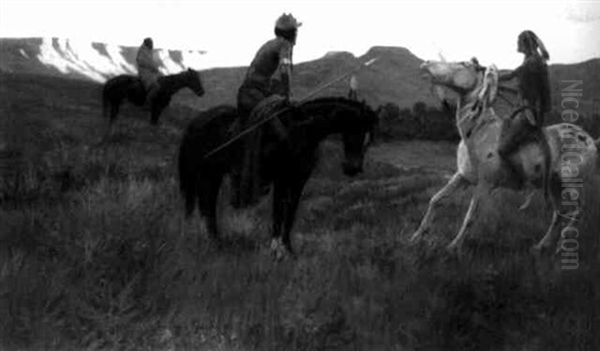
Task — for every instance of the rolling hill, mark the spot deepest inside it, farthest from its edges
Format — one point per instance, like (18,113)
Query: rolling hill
(393,78)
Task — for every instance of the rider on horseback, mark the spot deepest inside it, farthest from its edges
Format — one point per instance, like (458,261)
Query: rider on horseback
(534,95)
(148,69)
(269,74)
(275,56)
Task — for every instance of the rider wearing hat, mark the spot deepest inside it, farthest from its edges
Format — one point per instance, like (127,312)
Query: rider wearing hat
(275,56)
(269,74)
(147,66)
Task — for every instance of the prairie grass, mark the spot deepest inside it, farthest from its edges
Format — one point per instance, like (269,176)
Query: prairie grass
(95,254)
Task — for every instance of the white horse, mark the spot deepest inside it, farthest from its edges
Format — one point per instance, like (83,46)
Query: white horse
(571,149)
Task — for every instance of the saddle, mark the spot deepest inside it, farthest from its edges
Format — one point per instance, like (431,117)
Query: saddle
(266,109)
(261,112)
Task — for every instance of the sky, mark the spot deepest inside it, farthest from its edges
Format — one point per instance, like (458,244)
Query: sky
(232,31)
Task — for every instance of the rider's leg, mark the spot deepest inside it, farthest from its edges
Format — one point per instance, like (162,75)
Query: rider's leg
(243,174)
(507,145)
(152,92)
(545,147)
(513,134)
(279,129)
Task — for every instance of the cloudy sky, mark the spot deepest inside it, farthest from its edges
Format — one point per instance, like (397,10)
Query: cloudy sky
(233,30)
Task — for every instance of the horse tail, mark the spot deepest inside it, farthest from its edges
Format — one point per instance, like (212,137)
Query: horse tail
(199,176)
(187,176)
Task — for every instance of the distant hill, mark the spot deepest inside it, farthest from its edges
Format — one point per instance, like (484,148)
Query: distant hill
(83,60)
(394,77)
(588,72)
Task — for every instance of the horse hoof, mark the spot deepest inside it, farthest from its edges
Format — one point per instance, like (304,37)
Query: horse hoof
(216,243)
(527,202)
(281,256)
(454,250)
(278,250)
(416,236)
(537,249)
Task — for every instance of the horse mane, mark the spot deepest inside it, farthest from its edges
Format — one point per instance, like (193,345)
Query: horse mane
(361,105)
(366,116)
(334,99)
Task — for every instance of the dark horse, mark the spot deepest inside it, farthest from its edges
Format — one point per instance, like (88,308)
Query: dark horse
(287,166)
(130,87)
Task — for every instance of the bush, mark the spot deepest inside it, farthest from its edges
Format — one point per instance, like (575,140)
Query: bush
(422,122)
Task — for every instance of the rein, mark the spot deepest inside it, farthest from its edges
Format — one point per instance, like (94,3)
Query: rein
(508,90)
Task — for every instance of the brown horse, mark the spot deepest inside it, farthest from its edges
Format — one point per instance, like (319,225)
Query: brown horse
(128,87)
(285,164)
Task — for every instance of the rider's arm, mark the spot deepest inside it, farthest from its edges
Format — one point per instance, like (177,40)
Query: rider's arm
(509,76)
(285,67)
(529,64)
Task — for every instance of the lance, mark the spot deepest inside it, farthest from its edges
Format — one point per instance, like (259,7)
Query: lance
(330,83)
(261,122)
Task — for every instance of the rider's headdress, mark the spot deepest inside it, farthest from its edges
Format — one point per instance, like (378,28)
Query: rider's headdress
(287,22)
(531,40)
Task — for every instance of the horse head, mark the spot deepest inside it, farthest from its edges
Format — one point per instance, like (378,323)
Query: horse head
(358,135)
(194,82)
(462,77)
(476,85)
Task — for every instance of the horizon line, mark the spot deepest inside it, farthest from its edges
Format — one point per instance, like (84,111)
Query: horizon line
(207,52)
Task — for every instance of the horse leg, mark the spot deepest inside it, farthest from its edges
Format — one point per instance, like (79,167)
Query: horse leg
(548,237)
(154,113)
(283,211)
(208,205)
(279,200)
(456,182)
(294,194)
(156,109)
(551,236)
(456,244)
(112,115)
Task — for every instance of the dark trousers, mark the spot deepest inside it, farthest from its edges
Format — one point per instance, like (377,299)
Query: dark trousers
(515,133)
(246,175)
(247,98)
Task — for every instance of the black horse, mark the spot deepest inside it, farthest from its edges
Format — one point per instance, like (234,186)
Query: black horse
(286,165)
(130,87)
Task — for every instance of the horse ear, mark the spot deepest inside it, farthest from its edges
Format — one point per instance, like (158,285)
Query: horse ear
(489,87)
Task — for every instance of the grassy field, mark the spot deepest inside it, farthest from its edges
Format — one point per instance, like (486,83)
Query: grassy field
(95,253)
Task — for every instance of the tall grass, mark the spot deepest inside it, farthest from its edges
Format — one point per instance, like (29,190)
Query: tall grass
(107,262)
(95,254)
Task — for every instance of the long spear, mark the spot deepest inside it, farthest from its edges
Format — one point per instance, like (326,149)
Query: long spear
(259,123)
